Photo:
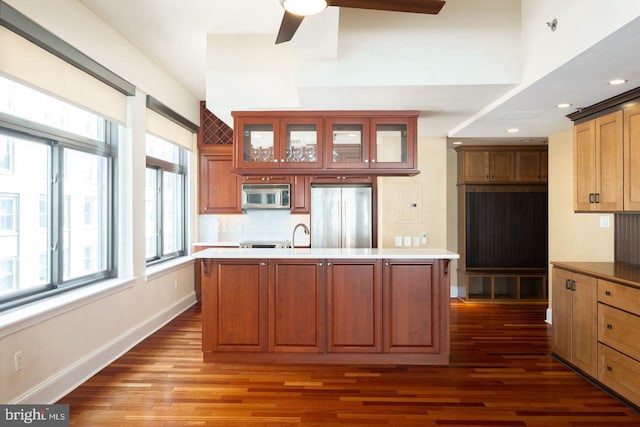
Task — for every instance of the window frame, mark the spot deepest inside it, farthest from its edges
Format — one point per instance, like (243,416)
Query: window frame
(57,141)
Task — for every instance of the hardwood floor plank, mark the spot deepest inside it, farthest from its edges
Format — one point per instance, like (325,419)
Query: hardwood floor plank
(501,374)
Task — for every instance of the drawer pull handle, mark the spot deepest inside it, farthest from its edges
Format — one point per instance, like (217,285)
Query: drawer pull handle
(609,368)
(609,326)
(567,284)
(607,293)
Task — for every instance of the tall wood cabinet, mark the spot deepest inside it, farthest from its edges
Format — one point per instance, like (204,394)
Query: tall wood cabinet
(502,223)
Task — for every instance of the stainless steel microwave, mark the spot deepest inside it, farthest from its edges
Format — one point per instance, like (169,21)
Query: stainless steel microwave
(266,196)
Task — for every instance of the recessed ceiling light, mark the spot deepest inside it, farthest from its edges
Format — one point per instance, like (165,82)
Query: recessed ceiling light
(564,105)
(513,130)
(617,82)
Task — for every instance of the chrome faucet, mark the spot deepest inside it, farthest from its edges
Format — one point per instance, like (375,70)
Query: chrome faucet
(293,236)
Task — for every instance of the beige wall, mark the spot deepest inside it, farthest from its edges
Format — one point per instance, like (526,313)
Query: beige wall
(572,236)
(428,191)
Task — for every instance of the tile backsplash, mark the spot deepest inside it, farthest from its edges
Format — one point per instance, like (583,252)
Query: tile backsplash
(253,225)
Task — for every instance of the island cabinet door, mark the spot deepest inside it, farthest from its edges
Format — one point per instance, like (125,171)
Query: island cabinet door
(413,306)
(296,306)
(234,305)
(354,306)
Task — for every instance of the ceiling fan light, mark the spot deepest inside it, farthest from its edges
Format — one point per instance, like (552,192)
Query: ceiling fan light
(304,7)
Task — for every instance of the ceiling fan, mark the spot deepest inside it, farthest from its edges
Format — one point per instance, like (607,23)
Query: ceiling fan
(296,10)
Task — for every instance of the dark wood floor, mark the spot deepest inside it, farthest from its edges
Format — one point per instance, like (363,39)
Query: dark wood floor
(501,374)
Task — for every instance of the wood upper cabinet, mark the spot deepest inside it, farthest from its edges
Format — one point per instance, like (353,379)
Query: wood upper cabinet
(370,143)
(598,162)
(413,307)
(219,187)
(354,306)
(575,323)
(296,306)
(234,293)
(632,158)
(320,142)
(502,164)
(276,143)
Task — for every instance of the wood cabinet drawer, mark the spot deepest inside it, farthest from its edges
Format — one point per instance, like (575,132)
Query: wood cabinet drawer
(621,296)
(619,372)
(620,330)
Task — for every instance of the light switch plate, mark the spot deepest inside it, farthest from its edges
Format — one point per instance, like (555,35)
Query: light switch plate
(604,221)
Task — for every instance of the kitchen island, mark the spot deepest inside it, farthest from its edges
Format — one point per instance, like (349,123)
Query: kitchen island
(367,306)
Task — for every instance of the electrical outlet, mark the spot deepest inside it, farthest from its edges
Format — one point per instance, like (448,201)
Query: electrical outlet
(424,238)
(17,361)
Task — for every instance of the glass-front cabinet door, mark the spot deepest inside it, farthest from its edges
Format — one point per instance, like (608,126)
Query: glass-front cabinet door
(256,140)
(390,144)
(347,143)
(301,142)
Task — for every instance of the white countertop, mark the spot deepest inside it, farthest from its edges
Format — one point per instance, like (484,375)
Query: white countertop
(321,253)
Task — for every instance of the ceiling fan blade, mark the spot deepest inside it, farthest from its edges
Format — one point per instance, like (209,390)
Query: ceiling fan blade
(431,7)
(288,27)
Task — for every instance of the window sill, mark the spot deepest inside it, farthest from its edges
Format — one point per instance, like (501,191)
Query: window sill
(31,314)
(166,267)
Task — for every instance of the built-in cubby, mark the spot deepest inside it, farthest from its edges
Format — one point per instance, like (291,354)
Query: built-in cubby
(504,286)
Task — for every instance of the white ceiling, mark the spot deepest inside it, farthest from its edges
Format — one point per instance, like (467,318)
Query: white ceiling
(463,69)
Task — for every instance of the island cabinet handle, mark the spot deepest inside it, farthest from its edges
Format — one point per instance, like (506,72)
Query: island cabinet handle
(609,368)
(320,264)
(607,293)
(263,264)
(328,263)
(609,326)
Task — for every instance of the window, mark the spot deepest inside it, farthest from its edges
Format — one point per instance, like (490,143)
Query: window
(6,155)
(8,212)
(7,274)
(164,200)
(57,211)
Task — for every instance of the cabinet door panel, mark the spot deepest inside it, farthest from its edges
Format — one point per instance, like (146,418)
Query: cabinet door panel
(412,312)
(219,187)
(584,140)
(585,324)
(501,166)
(296,304)
(609,147)
(528,166)
(632,159)
(562,319)
(354,321)
(476,166)
(347,143)
(238,296)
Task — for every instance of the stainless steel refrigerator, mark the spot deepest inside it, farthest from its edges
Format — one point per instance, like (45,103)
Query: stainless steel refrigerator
(341,216)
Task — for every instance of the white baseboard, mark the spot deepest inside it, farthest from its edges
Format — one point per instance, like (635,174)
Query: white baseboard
(59,385)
